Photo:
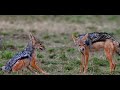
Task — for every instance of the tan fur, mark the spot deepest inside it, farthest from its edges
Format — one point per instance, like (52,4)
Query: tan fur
(26,63)
(108,46)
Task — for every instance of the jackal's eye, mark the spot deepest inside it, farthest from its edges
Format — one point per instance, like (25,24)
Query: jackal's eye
(84,44)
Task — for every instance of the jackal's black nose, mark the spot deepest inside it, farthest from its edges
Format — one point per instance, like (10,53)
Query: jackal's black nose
(82,49)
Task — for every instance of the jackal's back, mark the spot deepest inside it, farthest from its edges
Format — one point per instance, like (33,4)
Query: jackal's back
(98,36)
(26,53)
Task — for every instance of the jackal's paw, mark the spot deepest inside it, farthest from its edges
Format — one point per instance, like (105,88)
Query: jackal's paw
(46,73)
(36,73)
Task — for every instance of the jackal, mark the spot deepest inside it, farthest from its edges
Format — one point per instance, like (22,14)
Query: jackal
(25,58)
(94,42)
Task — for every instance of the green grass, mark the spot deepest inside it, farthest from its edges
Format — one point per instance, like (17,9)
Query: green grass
(6,55)
(4,33)
(40,56)
(61,57)
(71,50)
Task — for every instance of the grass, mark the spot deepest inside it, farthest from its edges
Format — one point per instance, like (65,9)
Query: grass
(6,55)
(61,57)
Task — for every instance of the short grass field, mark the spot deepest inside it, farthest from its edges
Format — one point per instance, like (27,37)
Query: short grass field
(61,57)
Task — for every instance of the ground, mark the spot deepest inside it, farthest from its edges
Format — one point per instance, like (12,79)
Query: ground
(61,57)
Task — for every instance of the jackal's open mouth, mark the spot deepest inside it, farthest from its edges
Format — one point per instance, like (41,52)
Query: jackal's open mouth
(42,48)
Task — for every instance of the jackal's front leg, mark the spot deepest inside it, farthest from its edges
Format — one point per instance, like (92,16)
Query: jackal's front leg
(35,66)
(86,56)
(82,63)
(28,67)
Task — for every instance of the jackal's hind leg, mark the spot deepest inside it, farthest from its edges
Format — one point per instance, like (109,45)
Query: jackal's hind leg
(18,66)
(109,51)
(112,64)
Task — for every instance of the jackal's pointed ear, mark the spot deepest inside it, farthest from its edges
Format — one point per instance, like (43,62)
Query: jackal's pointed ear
(74,38)
(85,37)
(32,38)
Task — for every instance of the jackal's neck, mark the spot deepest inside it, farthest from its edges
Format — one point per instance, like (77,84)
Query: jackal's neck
(30,48)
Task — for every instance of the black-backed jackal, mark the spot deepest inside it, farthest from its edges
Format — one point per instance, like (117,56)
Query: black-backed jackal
(25,58)
(95,41)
